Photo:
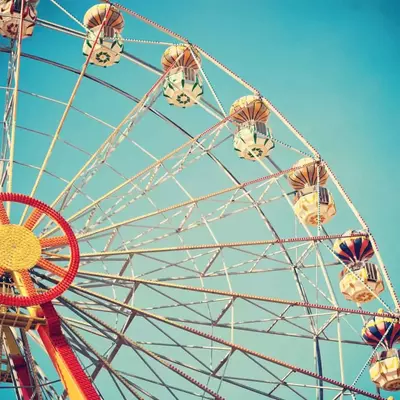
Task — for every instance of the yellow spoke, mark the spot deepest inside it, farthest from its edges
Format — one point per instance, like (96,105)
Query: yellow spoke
(56,241)
(51,267)
(3,214)
(25,283)
(33,219)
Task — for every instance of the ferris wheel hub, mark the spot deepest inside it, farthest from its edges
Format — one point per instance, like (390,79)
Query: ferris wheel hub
(20,249)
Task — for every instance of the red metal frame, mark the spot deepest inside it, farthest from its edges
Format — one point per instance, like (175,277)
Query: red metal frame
(23,377)
(19,366)
(75,380)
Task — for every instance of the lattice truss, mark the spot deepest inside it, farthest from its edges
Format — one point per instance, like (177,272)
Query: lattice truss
(197,279)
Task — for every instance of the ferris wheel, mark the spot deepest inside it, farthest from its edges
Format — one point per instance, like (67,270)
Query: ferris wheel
(166,233)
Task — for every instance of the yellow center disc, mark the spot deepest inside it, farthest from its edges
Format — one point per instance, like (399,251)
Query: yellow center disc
(19,248)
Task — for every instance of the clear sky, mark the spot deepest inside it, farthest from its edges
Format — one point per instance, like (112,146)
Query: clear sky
(331,67)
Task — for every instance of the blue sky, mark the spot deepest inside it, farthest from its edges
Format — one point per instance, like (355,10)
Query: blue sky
(331,67)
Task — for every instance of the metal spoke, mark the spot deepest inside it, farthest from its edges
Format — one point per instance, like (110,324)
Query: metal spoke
(10,168)
(51,267)
(66,111)
(231,345)
(293,303)
(4,219)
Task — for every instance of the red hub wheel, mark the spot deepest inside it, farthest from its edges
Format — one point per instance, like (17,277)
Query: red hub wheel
(21,250)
